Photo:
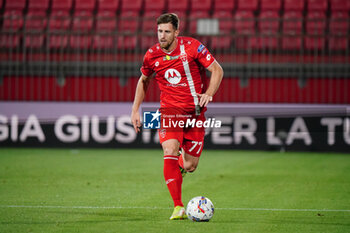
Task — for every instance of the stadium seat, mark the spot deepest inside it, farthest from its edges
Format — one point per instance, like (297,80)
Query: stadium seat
(128,21)
(247,5)
(108,5)
(61,5)
(315,29)
(223,41)
(201,5)
(149,29)
(338,29)
(291,30)
(193,20)
(317,5)
(128,25)
(127,42)
(18,5)
(154,6)
(106,25)
(340,5)
(178,5)
(35,25)
(268,25)
(12,23)
(38,5)
(134,5)
(244,22)
(270,5)
(82,25)
(84,5)
(59,25)
(224,5)
(294,5)
(244,25)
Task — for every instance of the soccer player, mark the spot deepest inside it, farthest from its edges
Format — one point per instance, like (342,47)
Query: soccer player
(179,64)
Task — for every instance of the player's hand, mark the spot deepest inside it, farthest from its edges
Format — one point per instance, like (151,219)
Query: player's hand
(135,120)
(204,99)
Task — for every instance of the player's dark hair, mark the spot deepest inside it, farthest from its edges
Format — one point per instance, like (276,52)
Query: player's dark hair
(169,18)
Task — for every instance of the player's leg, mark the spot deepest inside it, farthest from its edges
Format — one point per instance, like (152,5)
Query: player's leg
(173,177)
(192,151)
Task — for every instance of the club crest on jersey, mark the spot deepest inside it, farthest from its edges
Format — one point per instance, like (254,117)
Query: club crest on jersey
(172,76)
(169,58)
(183,57)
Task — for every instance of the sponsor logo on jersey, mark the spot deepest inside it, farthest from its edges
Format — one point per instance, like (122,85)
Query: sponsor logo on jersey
(200,48)
(173,76)
(169,58)
(205,51)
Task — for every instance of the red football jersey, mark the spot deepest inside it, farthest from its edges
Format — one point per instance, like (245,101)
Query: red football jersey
(180,73)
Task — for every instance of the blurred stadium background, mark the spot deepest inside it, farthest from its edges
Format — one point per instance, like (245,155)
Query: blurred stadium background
(90,51)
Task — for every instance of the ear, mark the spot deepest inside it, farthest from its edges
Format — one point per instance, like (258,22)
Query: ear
(177,32)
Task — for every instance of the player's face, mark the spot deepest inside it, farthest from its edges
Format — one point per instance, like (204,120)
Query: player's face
(167,36)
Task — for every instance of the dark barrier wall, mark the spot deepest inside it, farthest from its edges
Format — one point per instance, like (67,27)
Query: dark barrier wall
(242,126)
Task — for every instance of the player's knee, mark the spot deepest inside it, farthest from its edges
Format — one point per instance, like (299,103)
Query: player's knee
(190,167)
(170,150)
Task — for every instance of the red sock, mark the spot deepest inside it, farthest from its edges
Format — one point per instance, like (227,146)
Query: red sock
(173,178)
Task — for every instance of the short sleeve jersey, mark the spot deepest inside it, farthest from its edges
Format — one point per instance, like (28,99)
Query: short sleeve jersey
(180,73)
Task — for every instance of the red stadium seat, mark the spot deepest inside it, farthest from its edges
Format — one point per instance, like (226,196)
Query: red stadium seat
(245,28)
(224,5)
(128,24)
(338,29)
(223,41)
(35,26)
(178,5)
(270,5)
(108,5)
(105,26)
(149,29)
(128,21)
(339,23)
(38,5)
(315,29)
(294,5)
(61,5)
(18,5)
(155,6)
(292,29)
(127,42)
(59,25)
(201,5)
(317,5)
(269,22)
(244,22)
(84,5)
(9,41)
(134,5)
(268,25)
(149,23)
(247,5)
(13,19)
(340,5)
(82,25)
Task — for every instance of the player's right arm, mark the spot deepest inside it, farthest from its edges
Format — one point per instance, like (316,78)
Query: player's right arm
(140,93)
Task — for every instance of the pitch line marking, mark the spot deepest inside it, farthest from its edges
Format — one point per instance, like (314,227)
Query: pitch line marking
(164,208)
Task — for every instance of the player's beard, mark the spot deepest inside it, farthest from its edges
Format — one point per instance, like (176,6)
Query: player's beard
(166,45)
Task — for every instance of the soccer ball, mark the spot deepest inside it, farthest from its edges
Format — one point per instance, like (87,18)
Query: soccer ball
(200,209)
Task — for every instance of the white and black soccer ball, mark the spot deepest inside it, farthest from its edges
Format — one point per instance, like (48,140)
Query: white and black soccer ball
(200,209)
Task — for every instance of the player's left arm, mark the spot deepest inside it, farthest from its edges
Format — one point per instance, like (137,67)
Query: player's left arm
(217,74)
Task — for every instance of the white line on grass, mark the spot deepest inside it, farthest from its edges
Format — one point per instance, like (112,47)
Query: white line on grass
(164,208)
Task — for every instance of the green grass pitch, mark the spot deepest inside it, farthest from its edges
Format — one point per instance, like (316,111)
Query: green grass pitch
(88,190)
